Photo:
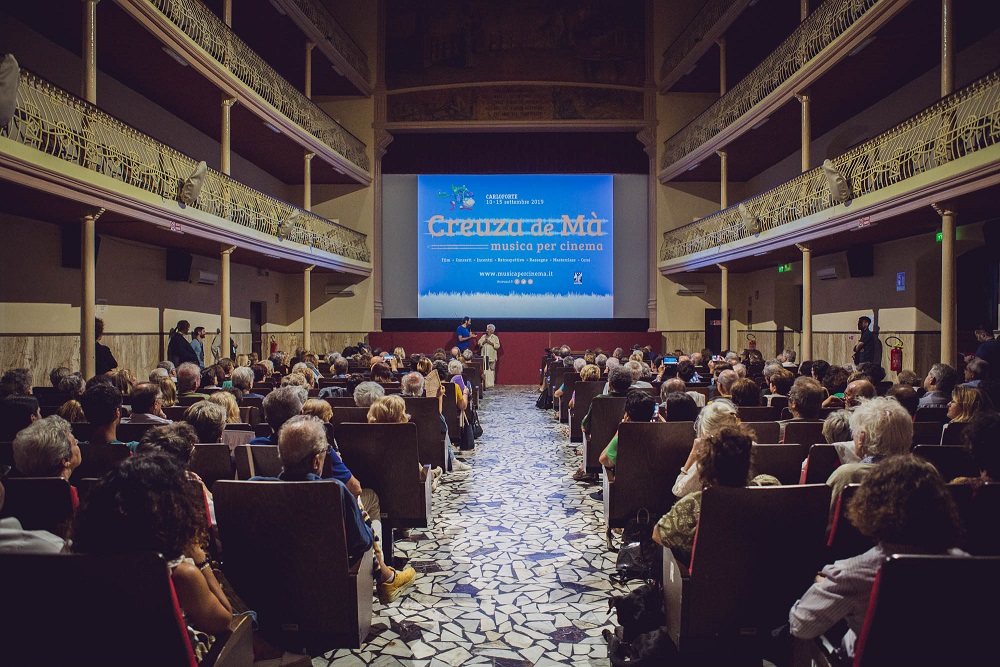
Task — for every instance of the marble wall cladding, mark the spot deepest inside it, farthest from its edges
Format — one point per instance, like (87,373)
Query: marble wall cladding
(688,341)
(769,342)
(921,350)
(40,354)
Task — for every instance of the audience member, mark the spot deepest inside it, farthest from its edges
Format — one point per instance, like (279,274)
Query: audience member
(15,382)
(243,379)
(880,428)
(72,412)
(989,347)
(188,381)
(229,404)
(279,406)
(904,506)
(723,460)
(102,404)
(976,371)
(713,417)
(169,389)
(57,374)
(47,448)
(208,420)
(805,398)
(639,407)
(940,380)
(72,385)
(906,396)
(965,403)
(980,436)
(680,407)
(147,405)
(745,392)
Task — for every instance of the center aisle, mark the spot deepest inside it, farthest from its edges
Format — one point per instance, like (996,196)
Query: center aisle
(513,571)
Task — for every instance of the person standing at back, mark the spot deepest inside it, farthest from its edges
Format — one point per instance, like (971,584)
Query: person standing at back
(198,345)
(866,348)
(464,334)
(179,350)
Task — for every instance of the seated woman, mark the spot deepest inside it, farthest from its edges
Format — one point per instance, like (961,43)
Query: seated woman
(904,505)
(714,416)
(47,448)
(228,402)
(965,403)
(381,372)
(177,441)
(679,406)
(745,393)
(723,459)
(980,436)
(144,504)
(588,372)
(392,410)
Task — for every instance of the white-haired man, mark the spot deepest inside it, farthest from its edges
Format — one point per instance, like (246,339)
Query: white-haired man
(489,345)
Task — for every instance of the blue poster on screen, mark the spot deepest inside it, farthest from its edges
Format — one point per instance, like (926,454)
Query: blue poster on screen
(522,246)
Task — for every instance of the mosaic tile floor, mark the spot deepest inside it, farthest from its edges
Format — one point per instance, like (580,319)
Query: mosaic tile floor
(513,571)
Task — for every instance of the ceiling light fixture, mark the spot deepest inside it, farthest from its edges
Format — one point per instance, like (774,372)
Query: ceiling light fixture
(175,56)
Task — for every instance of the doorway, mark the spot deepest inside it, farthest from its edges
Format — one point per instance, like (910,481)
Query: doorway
(258,311)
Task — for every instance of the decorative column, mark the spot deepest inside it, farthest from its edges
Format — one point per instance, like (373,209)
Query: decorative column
(88,294)
(648,138)
(723,179)
(947,48)
(804,100)
(225,162)
(308,87)
(722,65)
(381,142)
(224,350)
(307,307)
(807,303)
(90,58)
(725,306)
(803,10)
(949,313)
(227,13)
(307,181)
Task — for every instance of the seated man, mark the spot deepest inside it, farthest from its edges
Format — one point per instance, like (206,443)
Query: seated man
(367,393)
(242,379)
(340,366)
(940,380)
(636,369)
(804,401)
(855,392)
(279,406)
(147,405)
(102,404)
(906,395)
(47,448)
(619,381)
(724,384)
(302,447)
(188,381)
(639,407)
(779,383)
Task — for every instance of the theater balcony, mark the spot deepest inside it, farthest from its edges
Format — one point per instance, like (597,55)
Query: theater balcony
(946,155)
(833,32)
(65,148)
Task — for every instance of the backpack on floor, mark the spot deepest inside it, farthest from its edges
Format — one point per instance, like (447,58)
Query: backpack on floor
(639,612)
(639,557)
(651,649)
(544,401)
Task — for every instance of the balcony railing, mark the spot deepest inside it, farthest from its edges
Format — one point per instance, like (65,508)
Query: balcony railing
(697,38)
(348,49)
(59,124)
(960,124)
(828,22)
(209,32)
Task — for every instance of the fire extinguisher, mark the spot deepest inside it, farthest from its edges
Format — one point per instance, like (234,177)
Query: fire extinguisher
(752,341)
(895,354)
(274,345)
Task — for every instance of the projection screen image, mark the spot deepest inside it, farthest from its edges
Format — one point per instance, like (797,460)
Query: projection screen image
(515,246)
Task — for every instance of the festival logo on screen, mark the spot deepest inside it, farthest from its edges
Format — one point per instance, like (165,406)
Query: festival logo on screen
(460,196)
(523,252)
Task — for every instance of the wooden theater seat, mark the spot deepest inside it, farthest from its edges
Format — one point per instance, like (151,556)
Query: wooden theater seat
(822,461)
(212,462)
(605,416)
(286,554)
(585,391)
(40,503)
(781,461)
(431,445)
(254,460)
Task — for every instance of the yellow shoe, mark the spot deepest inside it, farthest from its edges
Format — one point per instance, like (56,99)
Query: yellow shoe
(387,592)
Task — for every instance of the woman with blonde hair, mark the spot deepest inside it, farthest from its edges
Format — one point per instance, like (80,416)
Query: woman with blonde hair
(318,408)
(124,380)
(228,402)
(392,410)
(169,390)
(964,404)
(241,360)
(72,411)
(399,353)
(712,418)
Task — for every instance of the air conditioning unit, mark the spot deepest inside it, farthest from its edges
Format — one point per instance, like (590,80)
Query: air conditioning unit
(827,273)
(339,290)
(689,290)
(206,278)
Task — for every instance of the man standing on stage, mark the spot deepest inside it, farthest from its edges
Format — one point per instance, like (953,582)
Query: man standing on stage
(464,334)
(489,344)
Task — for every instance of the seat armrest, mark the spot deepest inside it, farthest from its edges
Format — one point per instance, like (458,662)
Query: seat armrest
(234,647)
(606,486)
(428,480)
(674,577)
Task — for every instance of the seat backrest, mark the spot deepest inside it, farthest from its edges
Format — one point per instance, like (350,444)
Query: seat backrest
(213,462)
(147,627)
(340,401)
(766,432)
(782,461)
(755,551)
(556,374)
(384,458)
(939,415)
(99,458)
(805,433)
(844,540)
(950,460)
(253,401)
(351,414)
(430,440)
(822,461)
(982,536)
(174,412)
(757,413)
(649,456)
(928,610)
(569,382)
(605,414)
(450,411)
(6,456)
(188,401)
(286,553)
(253,460)
(951,433)
(82,430)
(132,432)
(39,503)
(585,392)
(926,433)
(779,402)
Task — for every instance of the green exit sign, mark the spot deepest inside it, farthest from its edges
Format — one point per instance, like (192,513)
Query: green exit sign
(784,268)
(939,237)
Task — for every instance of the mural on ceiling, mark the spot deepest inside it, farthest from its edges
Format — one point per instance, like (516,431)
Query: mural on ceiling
(456,42)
